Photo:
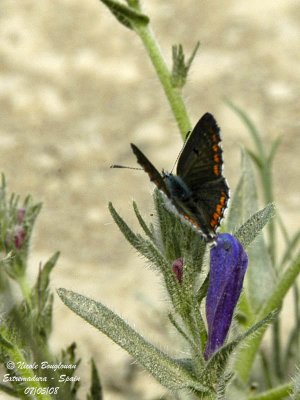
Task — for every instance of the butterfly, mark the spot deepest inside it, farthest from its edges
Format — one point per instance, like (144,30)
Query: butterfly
(198,191)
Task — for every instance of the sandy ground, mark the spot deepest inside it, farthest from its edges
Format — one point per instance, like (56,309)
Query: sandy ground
(76,88)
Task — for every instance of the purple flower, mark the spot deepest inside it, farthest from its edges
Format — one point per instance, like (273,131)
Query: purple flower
(19,236)
(177,268)
(228,264)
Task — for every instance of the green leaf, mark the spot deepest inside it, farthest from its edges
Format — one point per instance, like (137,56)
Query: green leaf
(295,395)
(244,201)
(96,387)
(217,364)
(255,159)
(142,222)
(168,372)
(203,290)
(142,245)
(43,277)
(273,150)
(8,390)
(278,393)
(260,276)
(161,261)
(177,238)
(246,356)
(292,244)
(181,331)
(256,136)
(251,228)
(180,68)
(6,343)
(127,16)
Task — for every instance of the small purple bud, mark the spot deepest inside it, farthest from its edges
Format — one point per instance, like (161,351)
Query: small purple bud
(177,268)
(228,264)
(21,215)
(19,236)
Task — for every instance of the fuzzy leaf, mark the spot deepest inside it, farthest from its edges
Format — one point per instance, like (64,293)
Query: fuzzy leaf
(295,395)
(142,245)
(244,202)
(246,356)
(43,278)
(217,364)
(260,277)
(180,67)
(126,15)
(167,371)
(142,222)
(157,259)
(254,225)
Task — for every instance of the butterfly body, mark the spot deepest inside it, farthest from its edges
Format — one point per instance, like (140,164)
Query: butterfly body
(198,191)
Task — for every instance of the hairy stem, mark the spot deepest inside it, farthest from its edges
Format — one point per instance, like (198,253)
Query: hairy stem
(173,94)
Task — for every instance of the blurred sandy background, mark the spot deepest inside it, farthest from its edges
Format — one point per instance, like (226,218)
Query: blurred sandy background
(76,88)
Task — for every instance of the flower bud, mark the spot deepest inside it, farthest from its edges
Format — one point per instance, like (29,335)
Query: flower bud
(228,264)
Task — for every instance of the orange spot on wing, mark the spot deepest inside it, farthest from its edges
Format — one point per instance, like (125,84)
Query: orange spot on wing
(216,169)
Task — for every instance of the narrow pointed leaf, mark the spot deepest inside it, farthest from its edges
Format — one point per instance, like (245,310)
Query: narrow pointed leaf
(260,276)
(289,249)
(256,136)
(217,364)
(181,331)
(251,228)
(255,159)
(96,387)
(277,393)
(202,292)
(244,201)
(273,150)
(45,272)
(167,371)
(192,56)
(246,356)
(142,245)
(142,222)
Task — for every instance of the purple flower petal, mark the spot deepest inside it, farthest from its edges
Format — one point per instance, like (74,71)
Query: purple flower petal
(228,264)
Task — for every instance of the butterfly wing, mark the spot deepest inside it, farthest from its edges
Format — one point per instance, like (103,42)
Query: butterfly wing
(148,167)
(200,167)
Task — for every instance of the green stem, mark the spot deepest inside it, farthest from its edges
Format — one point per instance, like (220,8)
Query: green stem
(277,349)
(173,95)
(278,393)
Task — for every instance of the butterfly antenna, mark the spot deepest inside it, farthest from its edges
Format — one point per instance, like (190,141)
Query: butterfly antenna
(124,166)
(185,140)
